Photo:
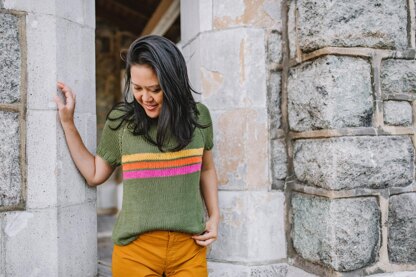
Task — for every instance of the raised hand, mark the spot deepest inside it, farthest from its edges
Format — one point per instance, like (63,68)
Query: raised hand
(66,108)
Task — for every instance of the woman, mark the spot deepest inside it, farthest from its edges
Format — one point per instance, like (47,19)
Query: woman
(162,139)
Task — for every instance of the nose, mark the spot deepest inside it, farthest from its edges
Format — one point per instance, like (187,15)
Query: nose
(147,97)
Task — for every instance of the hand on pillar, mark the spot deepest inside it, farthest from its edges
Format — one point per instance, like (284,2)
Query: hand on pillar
(66,109)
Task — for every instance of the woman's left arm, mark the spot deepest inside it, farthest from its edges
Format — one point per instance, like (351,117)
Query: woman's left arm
(209,187)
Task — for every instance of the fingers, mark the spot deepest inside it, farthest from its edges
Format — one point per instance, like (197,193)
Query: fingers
(205,239)
(59,102)
(204,242)
(204,236)
(68,94)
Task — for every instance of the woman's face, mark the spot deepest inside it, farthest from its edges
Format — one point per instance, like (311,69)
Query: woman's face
(146,89)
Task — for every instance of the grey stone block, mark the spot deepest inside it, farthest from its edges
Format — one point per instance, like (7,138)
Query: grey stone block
(330,92)
(367,23)
(31,243)
(279,159)
(397,113)
(273,103)
(10,185)
(402,228)
(398,77)
(396,274)
(218,269)
(355,162)
(77,224)
(2,253)
(340,233)
(9,59)
(274,47)
(244,61)
(275,270)
(252,227)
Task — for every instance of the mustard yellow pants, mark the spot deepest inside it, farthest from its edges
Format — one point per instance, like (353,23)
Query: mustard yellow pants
(160,252)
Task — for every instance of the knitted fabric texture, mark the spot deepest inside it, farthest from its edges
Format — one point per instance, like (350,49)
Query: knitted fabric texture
(161,190)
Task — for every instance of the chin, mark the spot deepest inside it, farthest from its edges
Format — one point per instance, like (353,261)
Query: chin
(153,115)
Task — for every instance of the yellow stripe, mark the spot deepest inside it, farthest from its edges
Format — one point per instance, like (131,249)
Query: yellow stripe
(162,156)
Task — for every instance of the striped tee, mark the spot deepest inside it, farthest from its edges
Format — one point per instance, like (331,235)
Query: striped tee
(161,189)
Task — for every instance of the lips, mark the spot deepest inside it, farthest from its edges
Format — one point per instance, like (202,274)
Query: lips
(150,107)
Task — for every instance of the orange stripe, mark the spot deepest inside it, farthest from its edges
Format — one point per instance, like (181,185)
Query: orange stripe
(162,164)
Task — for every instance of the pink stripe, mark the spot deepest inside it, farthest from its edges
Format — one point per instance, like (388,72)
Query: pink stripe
(162,172)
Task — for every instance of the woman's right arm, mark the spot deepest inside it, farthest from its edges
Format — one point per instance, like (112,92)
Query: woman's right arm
(94,168)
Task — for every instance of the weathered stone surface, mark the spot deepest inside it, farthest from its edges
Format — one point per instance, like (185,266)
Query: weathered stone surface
(368,23)
(355,162)
(398,113)
(273,103)
(41,150)
(279,159)
(340,233)
(402,228)
(396,274)
(217,269)
(276,270)
(43,70)
(10,187)
(255,218)
(77,223)
(259,13)
(79,11)
(242,148)
(198,18)
(2,254)
(291,26)
(31,240)
(9,59)
(244,60)
(330,92)
(274,47)
(398,77)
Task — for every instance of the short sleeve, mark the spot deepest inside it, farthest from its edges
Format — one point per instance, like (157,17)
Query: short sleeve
(204,119)
(109,147)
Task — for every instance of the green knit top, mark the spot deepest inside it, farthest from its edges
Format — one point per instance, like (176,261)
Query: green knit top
(161,190)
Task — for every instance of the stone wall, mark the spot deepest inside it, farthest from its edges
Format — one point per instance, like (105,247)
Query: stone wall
(348,80)
(232,49)
(314,116)
(45,205)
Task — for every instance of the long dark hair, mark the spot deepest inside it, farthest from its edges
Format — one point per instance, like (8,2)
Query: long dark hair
(178,117)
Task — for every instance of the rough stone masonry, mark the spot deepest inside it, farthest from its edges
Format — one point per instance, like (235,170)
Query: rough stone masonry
(350,86)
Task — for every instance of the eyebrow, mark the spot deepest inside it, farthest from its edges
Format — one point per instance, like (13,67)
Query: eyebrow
(151,86)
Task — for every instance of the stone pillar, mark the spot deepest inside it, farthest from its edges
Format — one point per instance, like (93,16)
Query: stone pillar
(47,212)
(349,78)
(229,47)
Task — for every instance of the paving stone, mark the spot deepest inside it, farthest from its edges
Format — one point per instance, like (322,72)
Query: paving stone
(329,93)
(340,233)
(355,162)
